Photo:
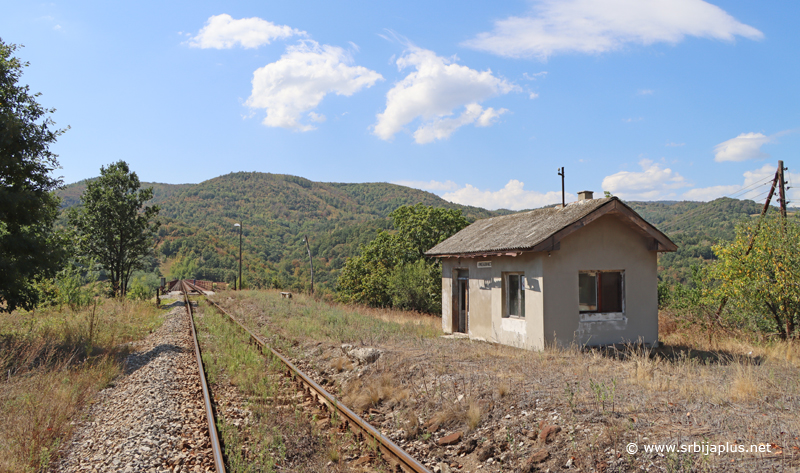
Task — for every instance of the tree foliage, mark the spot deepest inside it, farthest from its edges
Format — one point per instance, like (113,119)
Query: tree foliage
(29,248)
(765,281)
(392,269)
(113,224)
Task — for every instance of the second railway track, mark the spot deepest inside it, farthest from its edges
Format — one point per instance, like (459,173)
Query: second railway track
(334,411)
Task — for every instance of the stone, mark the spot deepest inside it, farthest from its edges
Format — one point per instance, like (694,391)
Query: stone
(451,439)
(468,447)
(548,433)
(486,453)
(365,356)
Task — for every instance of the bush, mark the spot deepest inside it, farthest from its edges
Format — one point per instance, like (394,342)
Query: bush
(143,286)
(417,286)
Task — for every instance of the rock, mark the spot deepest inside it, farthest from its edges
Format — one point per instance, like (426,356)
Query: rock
(468,447)
(443,467)
(365,355)
(486,452)
(451,439)
(548,433)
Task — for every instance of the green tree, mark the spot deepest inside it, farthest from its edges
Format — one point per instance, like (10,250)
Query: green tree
(765,281)
(30,249)
(392,270)
(114,226)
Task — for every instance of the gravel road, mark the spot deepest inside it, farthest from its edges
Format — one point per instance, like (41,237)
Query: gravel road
(152,420)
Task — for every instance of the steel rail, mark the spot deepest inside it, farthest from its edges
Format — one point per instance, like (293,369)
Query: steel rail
(403,462)
(216,447)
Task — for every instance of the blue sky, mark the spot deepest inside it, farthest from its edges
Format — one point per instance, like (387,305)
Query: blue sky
(479,102)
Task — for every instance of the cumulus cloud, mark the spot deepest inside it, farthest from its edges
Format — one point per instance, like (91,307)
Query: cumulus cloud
(429,185)
(512,196)
(755,186)
(597,26)
(433,91)
(223,32)
(743,147)
(652,183)
(442,128)
(300,79)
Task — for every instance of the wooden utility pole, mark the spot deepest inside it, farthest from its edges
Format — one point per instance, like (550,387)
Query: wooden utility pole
(777,180)
(782,185)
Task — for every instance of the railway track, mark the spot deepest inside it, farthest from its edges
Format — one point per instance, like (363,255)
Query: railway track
(398,459)
(216,447)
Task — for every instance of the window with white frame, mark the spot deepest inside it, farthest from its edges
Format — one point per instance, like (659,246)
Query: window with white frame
(514,293)
(601,292)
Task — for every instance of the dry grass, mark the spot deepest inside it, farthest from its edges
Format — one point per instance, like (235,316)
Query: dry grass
(53,362)
(719,388)
(474,413)
(342,363)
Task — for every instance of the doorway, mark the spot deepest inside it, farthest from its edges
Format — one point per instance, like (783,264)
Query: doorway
(462,301)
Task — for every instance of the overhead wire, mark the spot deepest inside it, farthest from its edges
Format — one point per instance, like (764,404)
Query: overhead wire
(685,217)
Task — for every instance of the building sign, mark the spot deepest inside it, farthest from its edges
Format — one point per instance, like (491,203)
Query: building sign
(484,264)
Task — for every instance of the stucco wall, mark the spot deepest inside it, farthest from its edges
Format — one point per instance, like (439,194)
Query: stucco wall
(485,319)
(552,289)
(605,244)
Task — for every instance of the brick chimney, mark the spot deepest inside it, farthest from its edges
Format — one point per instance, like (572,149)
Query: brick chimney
(585,195)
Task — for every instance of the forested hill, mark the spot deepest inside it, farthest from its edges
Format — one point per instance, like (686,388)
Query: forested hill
(695,227)
(198,239)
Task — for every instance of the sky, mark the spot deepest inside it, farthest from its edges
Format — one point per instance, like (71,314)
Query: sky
(478,102)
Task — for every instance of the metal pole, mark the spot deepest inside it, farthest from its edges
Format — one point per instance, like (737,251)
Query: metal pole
(241,228)
(305,239)
(563,199)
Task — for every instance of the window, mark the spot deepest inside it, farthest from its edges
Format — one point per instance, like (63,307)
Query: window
(601,291)
(514,285)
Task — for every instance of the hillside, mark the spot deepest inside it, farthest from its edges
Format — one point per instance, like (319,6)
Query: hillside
(198,239)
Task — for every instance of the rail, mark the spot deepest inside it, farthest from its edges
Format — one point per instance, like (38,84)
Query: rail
(402,461)
(216,447)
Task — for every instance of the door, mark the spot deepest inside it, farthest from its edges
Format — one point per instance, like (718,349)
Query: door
(462,301)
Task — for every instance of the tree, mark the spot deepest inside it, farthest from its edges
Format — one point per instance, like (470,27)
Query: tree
(392,270)
(765,281)
(114,226)
(30,249)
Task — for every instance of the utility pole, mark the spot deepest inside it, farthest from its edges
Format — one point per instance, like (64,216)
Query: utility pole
(782,185)
(777,180)
(241,227)
(563,200)
(305,239)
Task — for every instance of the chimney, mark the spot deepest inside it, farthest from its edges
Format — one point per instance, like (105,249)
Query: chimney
(585,195)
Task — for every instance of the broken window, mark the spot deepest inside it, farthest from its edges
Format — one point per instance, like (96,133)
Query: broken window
(514,288)
(601,291)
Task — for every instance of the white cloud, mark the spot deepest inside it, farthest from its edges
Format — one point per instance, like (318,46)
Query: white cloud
(675,145)
(652,183)
(644,92)
(535,75)
(743,147)
(631,120)
(755,186)
(316,117)
(433,91)
(223,32)
(513,196)
(300,79)
(597,26)
(442,128)
(429,185)
(533,95)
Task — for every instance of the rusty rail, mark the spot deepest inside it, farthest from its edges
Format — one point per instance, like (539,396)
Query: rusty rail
(402,461)
(216,447)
